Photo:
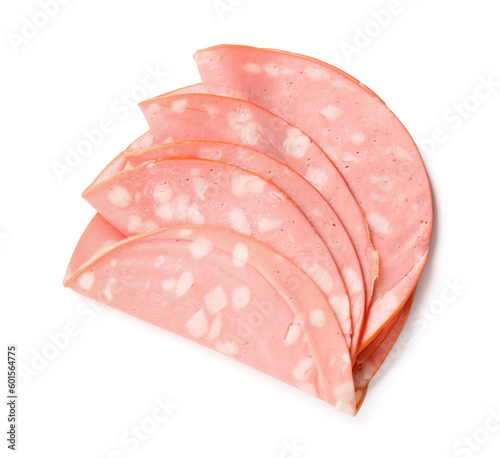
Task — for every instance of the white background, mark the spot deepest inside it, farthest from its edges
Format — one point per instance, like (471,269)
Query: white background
(441,383)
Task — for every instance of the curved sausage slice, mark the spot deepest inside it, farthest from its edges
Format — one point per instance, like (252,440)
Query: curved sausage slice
(232,294)
(198,116)
(317,210)
(190,191)
(363,138)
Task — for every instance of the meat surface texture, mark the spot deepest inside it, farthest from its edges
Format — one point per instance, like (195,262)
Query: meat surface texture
(277,212)
(361,136)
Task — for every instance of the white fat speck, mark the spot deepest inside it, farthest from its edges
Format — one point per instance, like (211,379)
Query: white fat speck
(194,172)
(308,388)
(240,115)
(86,281)
(293,333)
(330,112)
(240,255)
(137,196)
(300,371)
(296,142)
(162,193)
(151,110)
(150,225)
(400,153)
(108,295)
(340,305)
(345,407)
(330,151)
(200,187)
(179,105)
(168,284)
(332,361)
(247,185)
(376,179)
(194,215)
(250,67)
(344,392)
(165,212)
(277,196)
(184,284)
(119,196)
(317,177)
(185,232)
(215,300)
(341,85)
(227,348)
(239,221)
(377,197)
(381,182)
(197,325)
(346,358)
(215,328)
(358,395)
(212,110)
(200,247)
(388,302)
(316,73)
(317,318)
(351,158)
(249,133)
(352,280)
(415,206)
(272,69)
(287,71)
(240,297)
(159,261)
(357,137)
(403,154)
(114,263)
(135,224)
(181,207)
(366,371)
(378,224)
(210,153)
(319,275)
(266,224)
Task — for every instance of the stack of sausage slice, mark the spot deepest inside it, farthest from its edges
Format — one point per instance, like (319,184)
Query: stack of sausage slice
(278,213)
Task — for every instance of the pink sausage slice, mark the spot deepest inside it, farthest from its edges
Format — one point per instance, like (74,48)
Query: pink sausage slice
(231,299)
(186,117)
(371,359)
(176,192)
(367,370)
(374,344)
(317,210)
(363,138)
(98,236)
